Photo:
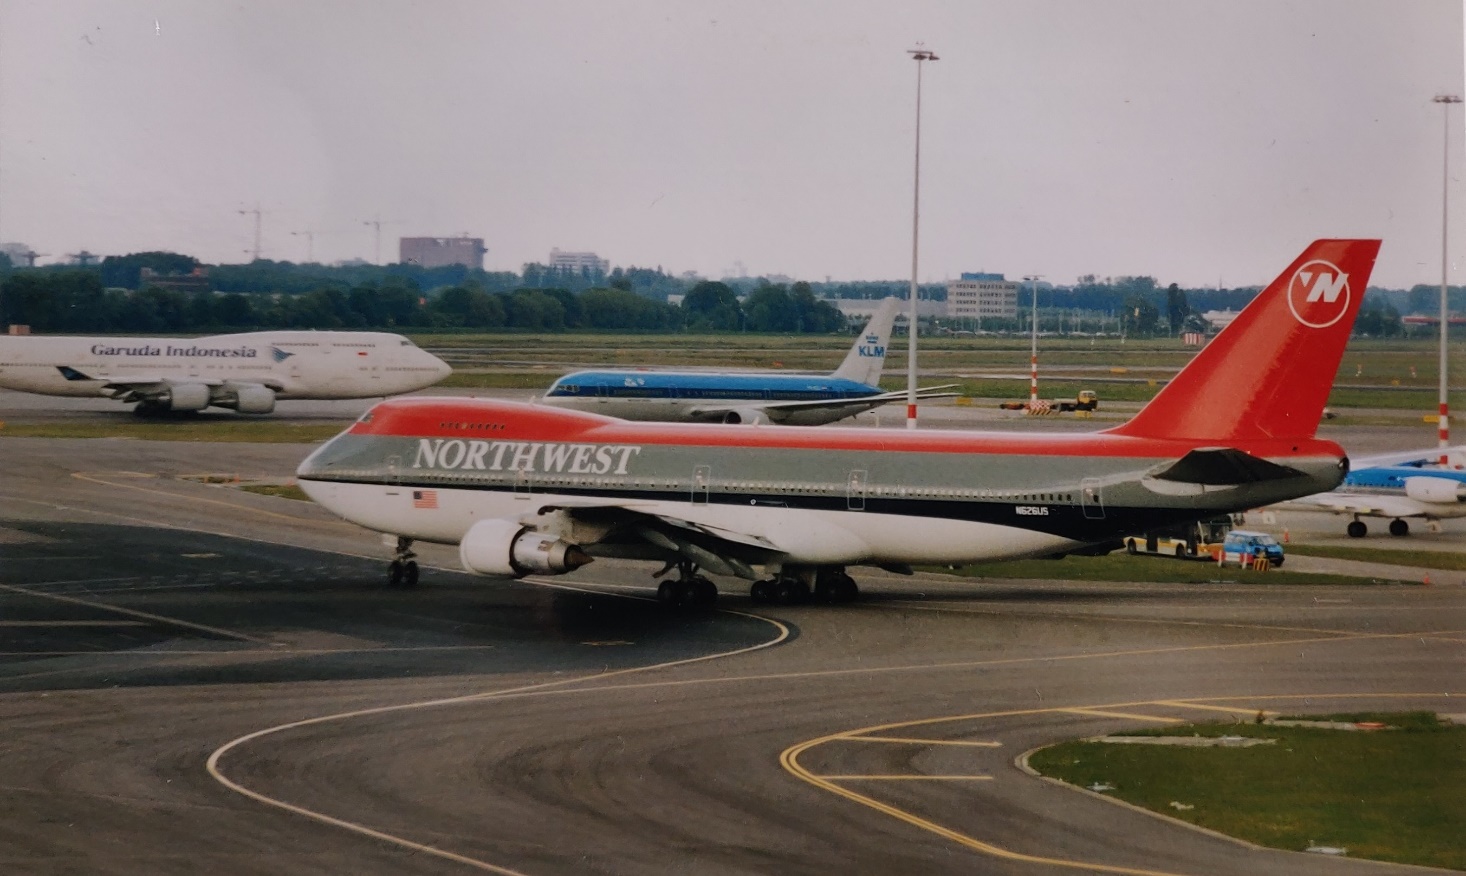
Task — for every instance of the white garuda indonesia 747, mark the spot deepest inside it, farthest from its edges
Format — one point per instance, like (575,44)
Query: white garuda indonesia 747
(524,488)
(246,372)
(747,396)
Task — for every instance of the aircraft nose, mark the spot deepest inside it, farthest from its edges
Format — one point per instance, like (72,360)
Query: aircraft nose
(442,368)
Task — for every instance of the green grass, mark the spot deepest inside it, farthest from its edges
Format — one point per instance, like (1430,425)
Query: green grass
(231,431)
(1388,795)
(540,380)
(1395,557)
(284,491)
(1144,569)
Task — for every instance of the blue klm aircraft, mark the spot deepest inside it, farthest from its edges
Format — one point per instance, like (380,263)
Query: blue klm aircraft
(745,397)
(1401,486)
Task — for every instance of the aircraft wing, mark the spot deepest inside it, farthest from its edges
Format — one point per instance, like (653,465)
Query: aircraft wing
(129,382)
(854,405)
(1362,504)
(718,549)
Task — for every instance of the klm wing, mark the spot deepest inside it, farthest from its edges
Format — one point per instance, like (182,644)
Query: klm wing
(1362,504)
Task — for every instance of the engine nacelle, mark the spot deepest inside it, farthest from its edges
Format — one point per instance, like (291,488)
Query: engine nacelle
(1435,491)
(504,547)
(749,416)
(252,399)
(185,397)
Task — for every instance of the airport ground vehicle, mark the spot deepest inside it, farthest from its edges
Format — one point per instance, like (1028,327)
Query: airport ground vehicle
(1242,546)
(1087,400)
(1199,540)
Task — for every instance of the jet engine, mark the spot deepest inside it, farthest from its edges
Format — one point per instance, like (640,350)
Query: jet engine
(1435,491)
(749,416)
(503,547)
(183,397)
(250,398)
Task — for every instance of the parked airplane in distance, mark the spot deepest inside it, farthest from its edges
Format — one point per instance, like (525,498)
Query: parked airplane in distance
(1400,486)
(744,397)
(246,372)
(530,489)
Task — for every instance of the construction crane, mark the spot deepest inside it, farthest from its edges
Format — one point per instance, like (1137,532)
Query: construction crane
(257,214)
(30,257)
(377,222)
(81,259)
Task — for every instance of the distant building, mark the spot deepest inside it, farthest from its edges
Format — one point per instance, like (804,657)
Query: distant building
(982,296)
(196,280)
(575,262)
(440,252)
(1219,319)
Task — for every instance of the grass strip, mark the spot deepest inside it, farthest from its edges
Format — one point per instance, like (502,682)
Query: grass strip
(1387,795)
(1145,569)
(1416,559)
(223,431)
(283,491)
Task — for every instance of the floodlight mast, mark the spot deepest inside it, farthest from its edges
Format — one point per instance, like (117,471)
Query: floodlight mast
(1444,431)
(918,54)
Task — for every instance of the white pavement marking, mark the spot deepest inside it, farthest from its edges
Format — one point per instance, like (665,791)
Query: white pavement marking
(214,770)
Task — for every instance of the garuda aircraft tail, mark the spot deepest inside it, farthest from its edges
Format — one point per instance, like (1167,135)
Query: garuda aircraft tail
(867,357)
(1268,374)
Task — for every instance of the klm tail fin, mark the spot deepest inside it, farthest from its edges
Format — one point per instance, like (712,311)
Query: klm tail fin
(867,358)
(1268,374)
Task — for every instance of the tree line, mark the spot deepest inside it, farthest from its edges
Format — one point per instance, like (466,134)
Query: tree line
(112,297)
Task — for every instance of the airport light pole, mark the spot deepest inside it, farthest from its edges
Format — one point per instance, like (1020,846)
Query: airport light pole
(918,55)
(1445,100)
(1033,353)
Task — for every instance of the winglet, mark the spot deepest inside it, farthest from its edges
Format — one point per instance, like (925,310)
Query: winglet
(867,357)
(1268,374)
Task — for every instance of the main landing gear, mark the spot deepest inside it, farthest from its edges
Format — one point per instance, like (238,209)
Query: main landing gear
(402,572)
(688,590)
(1399,527)
(831,584)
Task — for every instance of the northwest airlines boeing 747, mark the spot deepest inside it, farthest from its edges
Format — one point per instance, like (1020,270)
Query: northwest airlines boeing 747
(529,489)
(246,372)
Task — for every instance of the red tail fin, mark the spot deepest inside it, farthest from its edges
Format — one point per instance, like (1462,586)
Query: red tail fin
(1268,374)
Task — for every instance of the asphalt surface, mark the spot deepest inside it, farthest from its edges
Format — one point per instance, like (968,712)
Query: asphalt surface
(196,679)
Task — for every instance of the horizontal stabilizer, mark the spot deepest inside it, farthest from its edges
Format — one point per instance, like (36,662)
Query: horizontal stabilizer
(1224,466)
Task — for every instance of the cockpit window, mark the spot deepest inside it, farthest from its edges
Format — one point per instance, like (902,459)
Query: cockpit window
(407,343)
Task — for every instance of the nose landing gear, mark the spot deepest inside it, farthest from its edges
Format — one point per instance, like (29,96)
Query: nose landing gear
(402,571)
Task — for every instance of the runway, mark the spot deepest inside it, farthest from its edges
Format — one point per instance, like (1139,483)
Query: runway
(198,679)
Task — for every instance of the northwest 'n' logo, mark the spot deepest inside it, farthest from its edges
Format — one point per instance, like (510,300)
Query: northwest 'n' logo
(1319,294)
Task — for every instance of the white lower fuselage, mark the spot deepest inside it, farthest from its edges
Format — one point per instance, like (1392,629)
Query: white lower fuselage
(814,536)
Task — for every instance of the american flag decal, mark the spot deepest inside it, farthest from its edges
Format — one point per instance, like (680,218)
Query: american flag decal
(424,498)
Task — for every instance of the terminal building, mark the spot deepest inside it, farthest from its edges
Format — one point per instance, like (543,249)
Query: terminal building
(982,296)
(440,252)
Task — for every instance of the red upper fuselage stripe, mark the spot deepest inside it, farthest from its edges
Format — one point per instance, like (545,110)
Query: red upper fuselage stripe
(486,419)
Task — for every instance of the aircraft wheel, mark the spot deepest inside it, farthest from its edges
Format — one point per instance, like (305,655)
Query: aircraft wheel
(667,592)
(791,591)
(1399,527)
(395,572)
(1357,529)
(1129,545)
(705,593)
(846,590)
(409,575)
(1180,551)
(761,591)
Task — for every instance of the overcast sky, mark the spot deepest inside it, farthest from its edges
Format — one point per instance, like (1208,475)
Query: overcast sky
(1199,142)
